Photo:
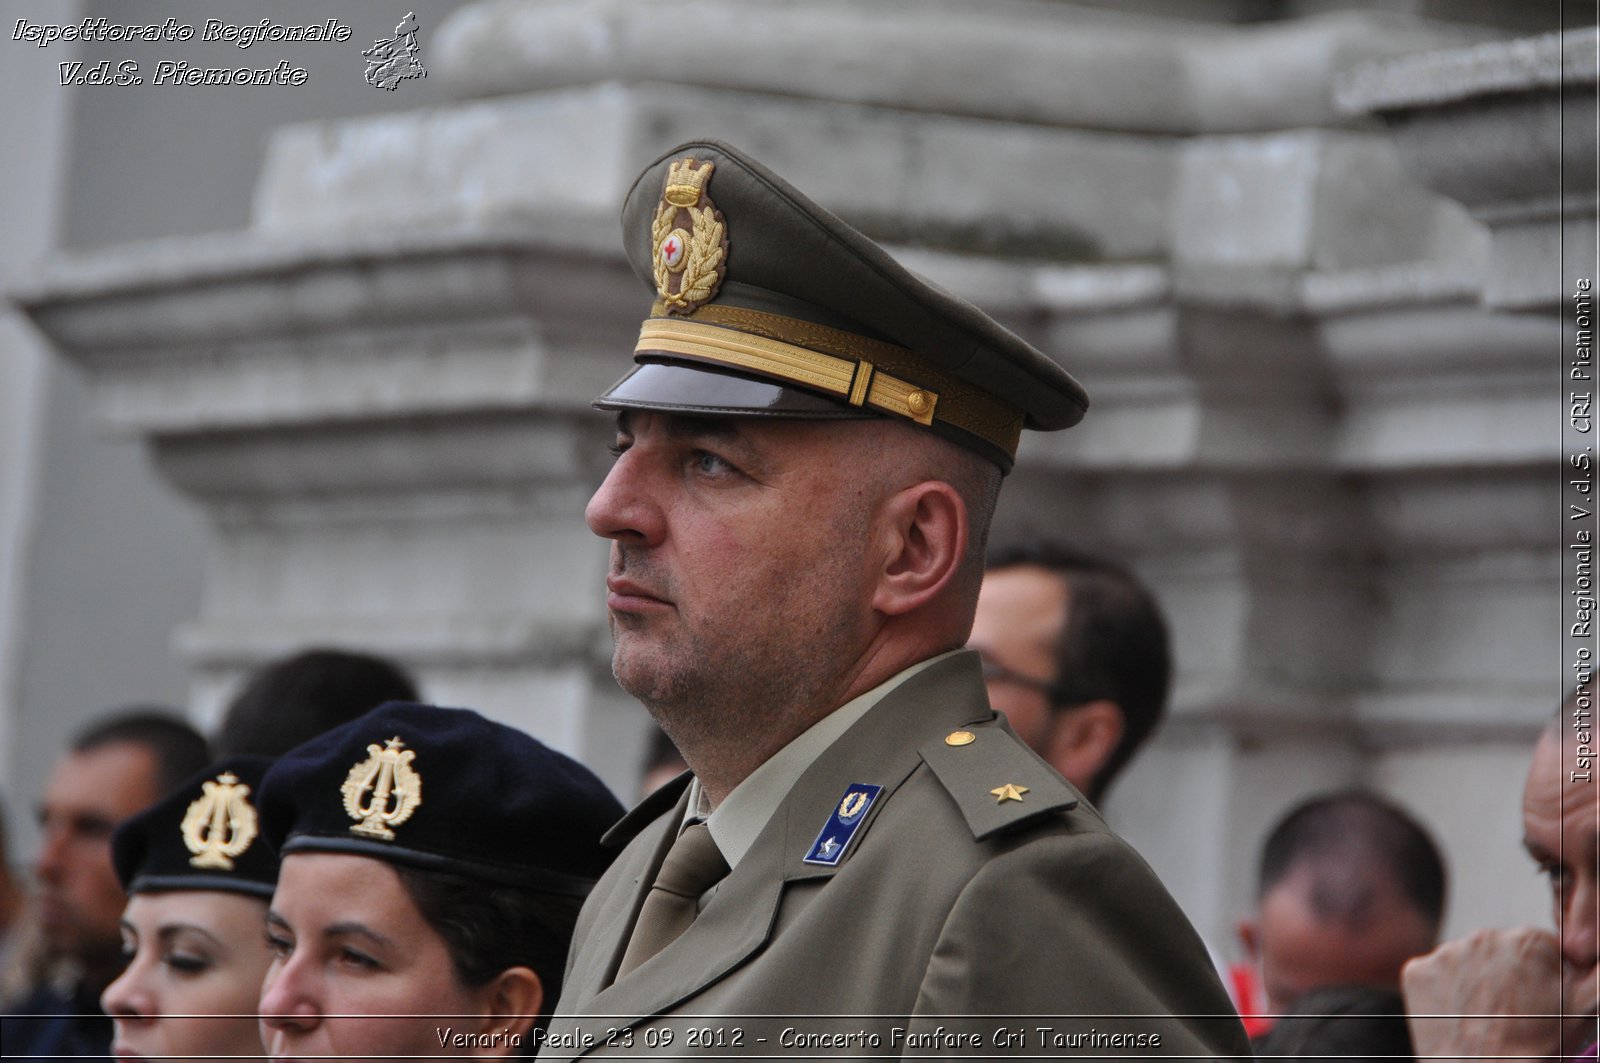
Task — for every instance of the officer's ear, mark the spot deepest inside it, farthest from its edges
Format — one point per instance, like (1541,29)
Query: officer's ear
(512,1002)
(924,538)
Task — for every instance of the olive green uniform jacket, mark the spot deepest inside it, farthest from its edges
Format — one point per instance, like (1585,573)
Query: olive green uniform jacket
(955,925)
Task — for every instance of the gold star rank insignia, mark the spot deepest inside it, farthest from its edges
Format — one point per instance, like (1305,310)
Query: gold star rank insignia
(1009,792)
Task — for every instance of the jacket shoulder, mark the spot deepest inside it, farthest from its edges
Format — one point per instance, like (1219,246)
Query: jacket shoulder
(995,780)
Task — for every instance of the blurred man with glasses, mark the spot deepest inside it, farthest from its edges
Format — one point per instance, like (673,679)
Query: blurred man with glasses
(1076,654)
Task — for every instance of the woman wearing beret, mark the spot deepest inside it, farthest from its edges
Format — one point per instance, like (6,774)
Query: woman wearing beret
(199,877)
(433,866)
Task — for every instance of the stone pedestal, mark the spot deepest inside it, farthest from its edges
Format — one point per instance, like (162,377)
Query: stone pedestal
(390,440)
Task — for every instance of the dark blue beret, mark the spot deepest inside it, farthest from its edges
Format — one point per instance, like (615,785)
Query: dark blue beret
(443,790)
(205,835)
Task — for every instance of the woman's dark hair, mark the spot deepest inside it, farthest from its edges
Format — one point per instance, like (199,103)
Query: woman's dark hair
(293,699)
(490,928)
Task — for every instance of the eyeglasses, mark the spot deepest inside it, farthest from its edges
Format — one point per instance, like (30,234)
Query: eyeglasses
(999,673)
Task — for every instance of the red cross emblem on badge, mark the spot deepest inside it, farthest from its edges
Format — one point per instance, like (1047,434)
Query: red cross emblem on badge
(672,250)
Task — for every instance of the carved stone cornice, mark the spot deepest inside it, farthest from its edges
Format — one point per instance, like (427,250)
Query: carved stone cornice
(1508,130)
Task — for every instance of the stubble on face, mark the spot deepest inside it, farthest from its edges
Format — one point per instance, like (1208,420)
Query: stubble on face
(769,608)
(80,898)
(759,647)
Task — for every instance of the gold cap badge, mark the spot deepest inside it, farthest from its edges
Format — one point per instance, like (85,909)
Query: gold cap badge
(382,791)
(689,237)
(220,824)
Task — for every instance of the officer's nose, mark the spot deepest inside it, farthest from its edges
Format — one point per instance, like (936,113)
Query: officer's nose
(625,507)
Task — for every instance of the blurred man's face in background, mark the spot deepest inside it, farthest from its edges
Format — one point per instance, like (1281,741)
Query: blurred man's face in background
(1021,613)
(1300,948)
(1561,829)
(80,899)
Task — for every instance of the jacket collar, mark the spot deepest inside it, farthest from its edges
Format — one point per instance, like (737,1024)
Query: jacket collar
(880,749)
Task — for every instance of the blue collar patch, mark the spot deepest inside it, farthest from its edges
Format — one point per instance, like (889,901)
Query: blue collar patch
(848,815)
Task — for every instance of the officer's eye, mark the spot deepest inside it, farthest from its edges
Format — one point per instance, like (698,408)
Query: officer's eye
(709,464)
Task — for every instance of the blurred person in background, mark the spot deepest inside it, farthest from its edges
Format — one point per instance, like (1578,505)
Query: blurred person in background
(1529,991)
(114,768)
(1350,887)
(294,698)
(1353,1024)
(1076,655)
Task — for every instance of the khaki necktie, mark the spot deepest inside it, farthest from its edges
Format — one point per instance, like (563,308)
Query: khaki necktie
(693,865)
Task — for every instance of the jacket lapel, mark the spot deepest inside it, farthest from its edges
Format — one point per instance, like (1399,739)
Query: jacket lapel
(735,922)
(606,938)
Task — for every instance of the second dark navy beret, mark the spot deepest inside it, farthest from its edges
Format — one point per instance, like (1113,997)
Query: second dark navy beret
(205,835)
(443,789)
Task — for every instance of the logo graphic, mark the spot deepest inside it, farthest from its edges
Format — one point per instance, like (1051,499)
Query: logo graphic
(392,61)
(395,790)
(688,261)
(220,824)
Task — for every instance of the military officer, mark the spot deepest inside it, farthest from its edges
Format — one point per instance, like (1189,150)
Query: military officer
(866,861)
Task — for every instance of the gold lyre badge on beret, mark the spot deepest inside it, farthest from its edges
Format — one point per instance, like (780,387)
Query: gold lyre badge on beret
(382,792)
(689,238)
(220,824)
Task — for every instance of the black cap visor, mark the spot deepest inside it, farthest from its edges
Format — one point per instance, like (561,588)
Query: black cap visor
(684,387)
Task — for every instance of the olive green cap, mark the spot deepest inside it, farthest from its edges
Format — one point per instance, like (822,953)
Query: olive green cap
(768,305)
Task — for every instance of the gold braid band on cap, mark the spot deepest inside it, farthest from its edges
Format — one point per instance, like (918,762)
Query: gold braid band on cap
(859,370)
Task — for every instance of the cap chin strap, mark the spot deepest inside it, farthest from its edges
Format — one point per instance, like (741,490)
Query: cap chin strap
(856,369)
(858,382)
